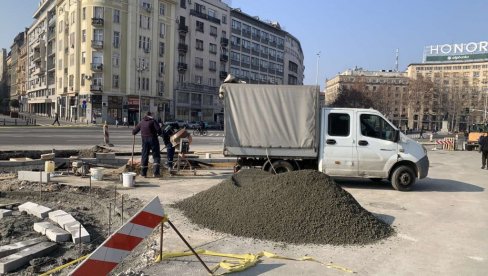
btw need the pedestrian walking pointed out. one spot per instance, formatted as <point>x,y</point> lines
<point>150,130</point>
<point>56,119</point>
<point>124,122</point>
<point>483,149</point>
<point>116,122</point>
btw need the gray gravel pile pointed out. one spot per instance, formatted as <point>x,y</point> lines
<point>296,207</point>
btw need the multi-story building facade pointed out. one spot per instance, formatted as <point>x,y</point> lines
<point>202,59</point>
<point>387,88</point>
<point>261,52</point>
<point>459,73</point>
<point>3,80</point>
<point>18,77</point>
<point>114,59</point>
<point>40,79</point>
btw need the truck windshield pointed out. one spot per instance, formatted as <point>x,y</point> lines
<point>376,127</point>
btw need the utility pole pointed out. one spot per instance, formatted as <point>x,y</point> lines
<point>317,75</point>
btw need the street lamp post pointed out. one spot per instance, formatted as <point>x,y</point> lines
<point>140,70</point>
<point>317,75</point>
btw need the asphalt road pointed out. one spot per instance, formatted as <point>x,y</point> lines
<point>45,138</point>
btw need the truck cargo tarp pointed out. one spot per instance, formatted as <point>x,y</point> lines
<point>270,116</point>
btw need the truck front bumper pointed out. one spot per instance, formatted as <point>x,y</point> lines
<point>423,167</point>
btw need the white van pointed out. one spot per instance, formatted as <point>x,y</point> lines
<point>282,128</point>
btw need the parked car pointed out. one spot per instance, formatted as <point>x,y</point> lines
<point>192,125</point>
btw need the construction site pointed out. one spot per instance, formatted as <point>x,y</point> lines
<point>301,222</point>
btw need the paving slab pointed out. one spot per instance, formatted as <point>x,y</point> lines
<point>12,248</point>
<point>14,261</point>
<point>41,227</point>
<point>57,234</point>
<point>33,176</point>
<point>35,209</point>
<point>5,213</point>
<point>74,229</point>
<point>65,219</point>
<point>54,214</point>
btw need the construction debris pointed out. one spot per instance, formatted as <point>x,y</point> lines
<point>296,207</point>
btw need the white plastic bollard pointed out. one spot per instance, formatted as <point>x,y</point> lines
<point>430,137</point>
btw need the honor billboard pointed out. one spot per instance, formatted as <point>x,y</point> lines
<point>471,51</point>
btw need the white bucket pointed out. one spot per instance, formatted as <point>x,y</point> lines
<point>49,166</point>
<point>128,179</point>
<point>96,173</point>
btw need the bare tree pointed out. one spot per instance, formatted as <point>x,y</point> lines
<point>420,94</point>
<point>351,97</point>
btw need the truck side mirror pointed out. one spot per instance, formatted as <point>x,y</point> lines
<point>396,137</point>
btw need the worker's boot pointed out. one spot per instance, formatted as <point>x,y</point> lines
<point>156,170</point>
<point>143,171</point>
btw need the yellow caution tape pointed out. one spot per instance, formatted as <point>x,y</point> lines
<point>244,261</point>
<point>59,268</point>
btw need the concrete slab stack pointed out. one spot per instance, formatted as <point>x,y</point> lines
<point>22,257</point>
<point>52,232</point>
<point>70,224</point>
<point>35,209</point>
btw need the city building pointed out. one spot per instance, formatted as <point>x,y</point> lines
<point>387,88</point>
<point>114,59</point>
<point>19,73</point>
<point>202,60</point>
<point>459,73</point>
<point>40,77</point>
<point>3,80</point>
<point>261,52</point>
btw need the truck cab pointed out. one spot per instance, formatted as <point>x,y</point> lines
<point>363,143</point>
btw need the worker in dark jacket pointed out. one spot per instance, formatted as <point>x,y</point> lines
<point>483,142</point>
<point>150,130</point>
<point>168,131</point>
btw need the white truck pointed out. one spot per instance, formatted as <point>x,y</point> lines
<point>282,128</point>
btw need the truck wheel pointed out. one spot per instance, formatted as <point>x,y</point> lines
<point>281,166</point>
<point>403,178</point>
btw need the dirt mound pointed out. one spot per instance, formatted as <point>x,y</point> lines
<point>297,207</point>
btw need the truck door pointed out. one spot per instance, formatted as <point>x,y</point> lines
<point>376,150</point>
<point>337,139</point>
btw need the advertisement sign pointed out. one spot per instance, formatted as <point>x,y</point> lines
<point>471,51</point>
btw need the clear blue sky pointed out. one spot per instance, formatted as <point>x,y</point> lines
<point>348,33</point>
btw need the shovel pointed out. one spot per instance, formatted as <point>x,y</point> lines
<point>132,158</point>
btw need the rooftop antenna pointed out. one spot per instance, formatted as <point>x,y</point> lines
<point>396,61</point>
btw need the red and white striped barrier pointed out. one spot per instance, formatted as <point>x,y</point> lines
<point>444,142</point>
<point>114,249</point>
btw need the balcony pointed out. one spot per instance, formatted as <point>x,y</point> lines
<point>182,28</point>
<point>97,44</point>
<point>96,87</point>
<point>51,66</point>
<point>224,41</point>
<point>38,71</point>
<point>97,22</point>
<point>224,58</point>
<point>223,75</point>
<point>37,56</point>
<point>182,66</point>
<point>182,48</point>
<point>96,67</point>
<point>147,8</point>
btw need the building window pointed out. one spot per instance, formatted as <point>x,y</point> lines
<point>161,68</point>
<point>83,35</point>
<point>115,60</point>
<point>115,81</point>
<point>224,19</point>
<point>83,14</point>
<point>161,49</point>
<point>144,22</point>
<point>212,48</point>
<point>199,26</point>
<point>162,8</point>
<point>83,57</point>
<point>236,25</point>
<point>162,30</point>
<point>213,31</point>
<point>199,45</point>
<point>212,65</point>
<point>198,79</point>
<point>199,63</point>
<point>116,16</point>
<point>116,39</point>
<point>98,34</point>
<point>98,12</point>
